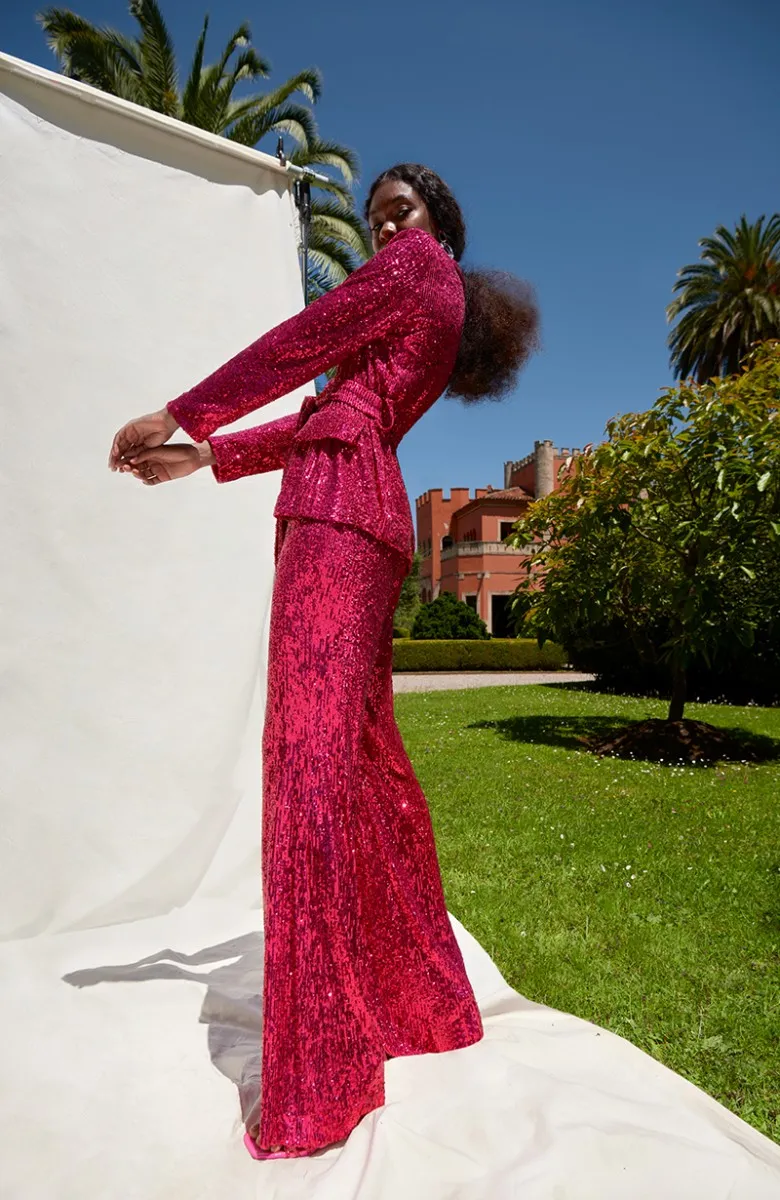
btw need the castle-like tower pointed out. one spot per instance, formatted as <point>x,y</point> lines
<point>462,538</point>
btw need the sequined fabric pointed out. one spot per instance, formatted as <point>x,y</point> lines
<point>392,330</point>
<point>361,962</point>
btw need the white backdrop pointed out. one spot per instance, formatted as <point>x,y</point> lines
<point>135,256</point>
<point>132,616</point>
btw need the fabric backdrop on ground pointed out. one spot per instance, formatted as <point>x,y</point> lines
<point>135,258</point>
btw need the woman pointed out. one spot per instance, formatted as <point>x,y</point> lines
<point>361,963</point>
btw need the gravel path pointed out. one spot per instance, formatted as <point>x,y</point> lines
<point>438,681</point>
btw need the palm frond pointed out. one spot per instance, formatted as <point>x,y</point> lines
<point>126,48</point>
<point>103,58</point>
<point>157,57</point>
<point>62,28</point>
<point>333,219</point>
<point>262,108</point>
<point>328,154</point>
<point>217,83</point>
<point>248,65</point>
<point>309,82</point>
<point>239,39</point>
<point>190,101</point>
<point>331,261</point>
<point>238,109</point>
<point>289,118</point>
<point>320,280</point>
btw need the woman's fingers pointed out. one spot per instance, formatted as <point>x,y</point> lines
<point>148,467</point>
<point>126,441</point>
<point>160,464</point>
<point>142,433</point>
<point>149,476</point>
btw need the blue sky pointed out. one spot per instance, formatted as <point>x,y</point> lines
<point>590,144</point>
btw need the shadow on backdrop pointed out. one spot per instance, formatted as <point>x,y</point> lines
<point>232,1007</point>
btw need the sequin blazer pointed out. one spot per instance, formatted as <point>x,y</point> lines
<point>392,330</point>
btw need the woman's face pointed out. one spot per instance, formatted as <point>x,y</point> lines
<point>396,205</point>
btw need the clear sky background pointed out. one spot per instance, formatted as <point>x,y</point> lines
<point>591,144</point>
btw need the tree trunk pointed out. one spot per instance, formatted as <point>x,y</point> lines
<point>679,693</point>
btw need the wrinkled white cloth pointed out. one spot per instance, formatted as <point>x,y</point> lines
<point>136,258</point>
<point>119,1078</point>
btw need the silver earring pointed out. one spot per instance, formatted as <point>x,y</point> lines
<point>446,247</point>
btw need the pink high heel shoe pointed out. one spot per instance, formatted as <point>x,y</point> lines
<point>257,1153</point>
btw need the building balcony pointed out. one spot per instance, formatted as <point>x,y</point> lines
<point>476,548</point>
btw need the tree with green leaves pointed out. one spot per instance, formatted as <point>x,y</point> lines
<point>409,599</point>
<point>143,70</point>
<point>728,301</point>
<point>448,617</point>
<point>658,528</point>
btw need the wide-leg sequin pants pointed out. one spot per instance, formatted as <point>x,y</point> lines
<point>361,963</point>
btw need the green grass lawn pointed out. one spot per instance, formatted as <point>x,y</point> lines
<point>643,897</point>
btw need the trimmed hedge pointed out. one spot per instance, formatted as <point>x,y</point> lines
<point>495,654</point>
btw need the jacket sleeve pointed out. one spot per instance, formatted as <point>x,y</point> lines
<point>360,310</point>
<point>253,451</point>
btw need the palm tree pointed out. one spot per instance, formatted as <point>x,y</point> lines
<point>728,301</point>
<point>143,70</point>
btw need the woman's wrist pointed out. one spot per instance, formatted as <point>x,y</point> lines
<point>205,454</point>
<point>171,424</point>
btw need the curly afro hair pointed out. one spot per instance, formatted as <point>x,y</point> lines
<point>501,329</point>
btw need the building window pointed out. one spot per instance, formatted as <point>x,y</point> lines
<point>471,600</point>
<point>446,542</point>
<point>504,530</point>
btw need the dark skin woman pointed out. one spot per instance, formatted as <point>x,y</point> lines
<point>395,205</point>
<point>499,333</point>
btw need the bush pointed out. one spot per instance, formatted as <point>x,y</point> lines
<point>497,654</point>
<point>669,530</point>
<point>447,617</point>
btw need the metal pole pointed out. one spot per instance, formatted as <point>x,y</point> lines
<point>302,197</point>
<point>302,193</point>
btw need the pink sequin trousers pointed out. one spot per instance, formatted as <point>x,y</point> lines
<point>361,962</point>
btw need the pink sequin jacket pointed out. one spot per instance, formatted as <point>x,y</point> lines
<point>392,330</point>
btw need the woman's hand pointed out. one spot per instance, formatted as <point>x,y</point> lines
<point>144,433</point>
<point>164,463</point>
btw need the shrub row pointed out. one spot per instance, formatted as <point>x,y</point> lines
<point>495,654</point>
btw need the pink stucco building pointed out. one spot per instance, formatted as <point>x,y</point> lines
<point>462,538</point>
